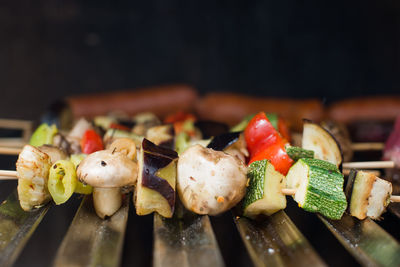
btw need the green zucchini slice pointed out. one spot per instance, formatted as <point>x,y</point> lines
<point>319,187</point>
<point>264,194</point>
<point>296,153</point>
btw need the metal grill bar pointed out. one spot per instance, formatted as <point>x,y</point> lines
<point>276,241</point>
<point>394,208</point>
<point>365,240</point>
<point>185,241</point>
<point>91,241</point>
<point>16,227</point>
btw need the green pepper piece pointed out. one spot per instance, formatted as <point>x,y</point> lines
<point>273,119</point>
<point>43,135</point>
<point>243,124</point>
<point>62,181</point>
<point>182,141</point>
<point>81,188</point>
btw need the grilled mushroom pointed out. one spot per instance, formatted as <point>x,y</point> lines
<point>209,181</point>
<point>107,171</point>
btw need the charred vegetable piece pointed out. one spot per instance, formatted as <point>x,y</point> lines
<point>53,152</point>
<point>162,135</point>
<point>296,153</point>
<point>223,141</point>
<point>209,181</point>
<point>264,194</point>
<point>33,170</point>
<point>342,136</point>
<point>322,142</point>
<point>209,128</point>
<point>62,181</point>
<point>319,186</point>
<point>143,122</point>
<point>112,134</point>
<point>43,135</point>
<point>125,146</point>
<point>155,190</point>
<point>369,195</point>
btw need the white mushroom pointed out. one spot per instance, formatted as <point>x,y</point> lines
<point>209,181</point>
<point>107,171</point>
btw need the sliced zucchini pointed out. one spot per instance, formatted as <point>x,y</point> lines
<point>264,194</point>
<point>319,187</point>
<point>322,142</point>
<point>370,195</point>
<point>155,190</point>
<point>296,153</point>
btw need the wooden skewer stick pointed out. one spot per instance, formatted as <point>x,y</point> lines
<point>291,192</point>
<point>369,165</point>
<point>374,172</point>
<point>12,142</point>
<point>367,146</point>
<point>395,199</point>
<point>10,150</point>
<point>8,175</point>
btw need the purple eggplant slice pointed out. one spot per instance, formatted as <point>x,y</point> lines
<point>223,141</point>
<point>155,191</point>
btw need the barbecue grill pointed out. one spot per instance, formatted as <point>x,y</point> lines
<point>290,237</point>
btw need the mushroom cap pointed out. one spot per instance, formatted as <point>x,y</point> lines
<point>209,181</point>
<point>107,169</point>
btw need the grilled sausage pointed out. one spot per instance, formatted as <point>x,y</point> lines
<point>161,100</point>
<point>377,108</point>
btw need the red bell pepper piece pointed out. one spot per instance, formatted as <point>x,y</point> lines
<point>91,142</point>
<point>179,117</point>
<point>277,155</point>
<point>119,127</point>
<point>264,142</point>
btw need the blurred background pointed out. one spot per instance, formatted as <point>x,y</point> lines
<point>51,48</point>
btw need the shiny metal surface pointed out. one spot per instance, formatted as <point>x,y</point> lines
<point>16,227</point>
<point>369,244</point>
<point>91,241</point>
<point>276,241</point>
<point>186,240</point>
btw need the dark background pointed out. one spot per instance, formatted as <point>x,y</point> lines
<point>50,49</point>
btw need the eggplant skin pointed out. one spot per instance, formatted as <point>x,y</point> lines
<point>151,164</point>
<point>154,186</point>
<point>223,141</point>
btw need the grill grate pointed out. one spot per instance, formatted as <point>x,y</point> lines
<point>189,240</point>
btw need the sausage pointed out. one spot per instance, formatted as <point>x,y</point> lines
<point>377,108</point>
<point>231,108</point>
<point>161,100</point>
